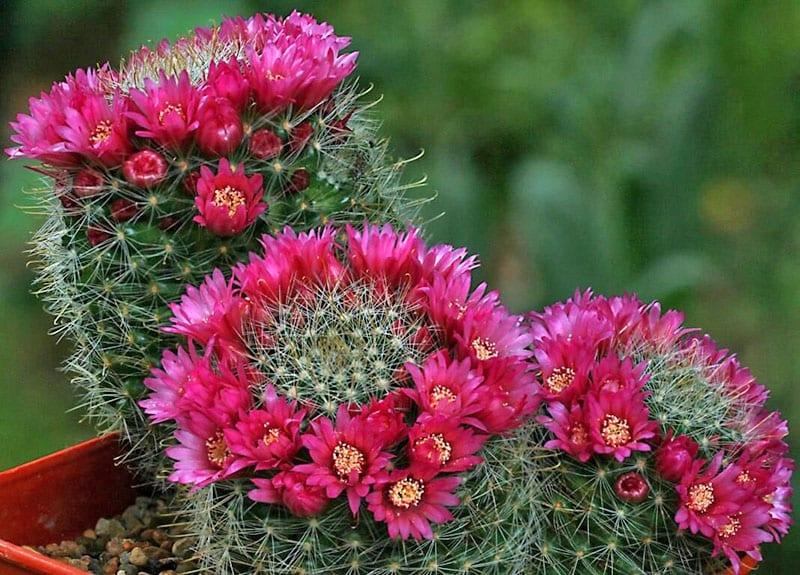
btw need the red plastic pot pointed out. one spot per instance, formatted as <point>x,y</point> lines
<point>56,498</point>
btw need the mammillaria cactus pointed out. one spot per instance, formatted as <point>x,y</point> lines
<point>350,409</point>
<point>658,455</point>
<point>177,163</point>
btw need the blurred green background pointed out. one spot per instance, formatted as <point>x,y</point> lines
<point>624,145</point>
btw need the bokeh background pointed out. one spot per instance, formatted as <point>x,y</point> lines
<point>625,145</point>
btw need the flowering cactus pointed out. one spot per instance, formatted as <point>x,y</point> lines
<point>657,454</point>
<point>347,404</point>
<point>177,163</point>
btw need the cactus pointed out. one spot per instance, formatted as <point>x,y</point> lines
<point>592,522</point>
<point>115,250</point>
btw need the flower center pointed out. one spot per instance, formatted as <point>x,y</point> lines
<point>101,133</point>
<point>171,109</point>
<point>271,435</point>
<point>616,431</point>
<point>701,497</point>
<point>441,393</point>
<point>560,379</point>
<point>406,493</point>
<point>730,528</point>
<point>744,478</point>
<point>230,198</point>
<point>485,349</point>
<point>274,76</point>
<point>578,435</point>
<point>217,450</point>
<point>347,459</point>
<point>439,444</point>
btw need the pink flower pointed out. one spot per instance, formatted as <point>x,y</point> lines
<point>507,397</point>
<point>228,201</point>
<point>444,386</point>
<point>570,428</point>
<point>225,80</point>
<point>202,456</point>
<point>145,169</point>
<point>675,457</point>
<point>292,490</point>
<point>618,422</point>
<point>564,366</point>
<point>97,130</point>
<point>444,445</point>
<point>267,437</point>
<point>346,457</point>
<point>381,252</point>
<point>210,312</point>
<point>299,69</point>
<point>265,144</point>
<point>708,497</point>
<point>39,134</point>
<point>168,384</point>
<point>386,418</point>
<point>741,532</point>
<point>220,131</point>
<point>409,500</point>
<point>166,111</point>
<point>614,374</point>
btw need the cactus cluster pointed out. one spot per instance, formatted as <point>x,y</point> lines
<point>706,489</point>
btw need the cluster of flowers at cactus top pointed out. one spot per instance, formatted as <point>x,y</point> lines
<point>101,130</point>
<point>597,375</point>
<point>358,365</point>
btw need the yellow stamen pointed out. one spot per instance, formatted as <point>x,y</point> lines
<point>730,528</point>
<point>102,131</point>
<point>441,393</point>
<point>560,379</point>
<point>485,349</point>
<point>616,431</point>
<point>217,450</point>
<point>406,493</point>
<point>443,449</point>
<point>230,198</point>
<point>171,109</point>
<point>271,435</point>
<point>701,497</point>
<point>347,459</point>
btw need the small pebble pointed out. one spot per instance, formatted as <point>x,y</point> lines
<point>138,557</point>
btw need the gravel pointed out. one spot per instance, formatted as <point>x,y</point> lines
<point>138,542</point>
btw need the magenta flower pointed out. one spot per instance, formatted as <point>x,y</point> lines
<point>166,111</point>
<point>442,444</point>
<point>168,384</point>
<point>228,201</point>
<point>564,366</point>
<point>226,80</point>
<point>211,311</point>
<point>292,490</point>
<point>570,430</point>
<point>220,131</point>
<point>444,386</point>
<point>409,500</point>
<point>346,457</point>
<point>741,532</point>
<point>98,130</point>
<point>675,456</point>
<point>39,134</point>
<point>269,436</point>
<point>299,70</point>
<point>386,418</point>
<point>618,422</point>
<point>709,496</point>
<point>614,374</point>
<point>507,397</point>
<point>202,456</point>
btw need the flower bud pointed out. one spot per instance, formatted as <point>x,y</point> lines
<point>265,144</point>
<point>220,131</point>
<point>675,456</point>
<point>87,183</point>
<point>225,80</point>
<point>96,236</point>
<point>300,136</point>
<point>299,181</point>
<point>145,169</point>
<point>631,487</point>
<point>123,209</point>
